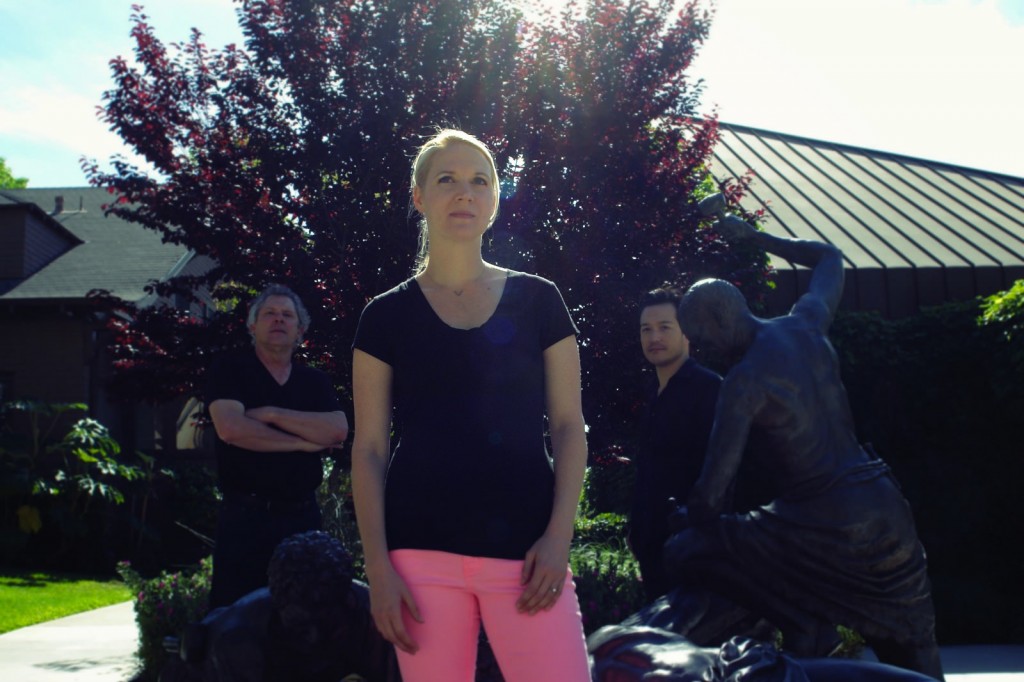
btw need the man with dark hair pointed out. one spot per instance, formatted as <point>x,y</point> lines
<point>674,435</point>
<point>274,419</point>
<point>837,544</point>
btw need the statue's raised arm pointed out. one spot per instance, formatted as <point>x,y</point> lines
<point>826,261</point>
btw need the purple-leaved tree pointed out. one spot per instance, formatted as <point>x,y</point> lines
<point>287,160</point>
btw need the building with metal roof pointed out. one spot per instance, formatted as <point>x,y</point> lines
<point>913,233</point>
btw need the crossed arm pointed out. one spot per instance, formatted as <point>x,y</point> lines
<point>271,429</point>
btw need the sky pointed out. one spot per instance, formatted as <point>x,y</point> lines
<point>941,80</point>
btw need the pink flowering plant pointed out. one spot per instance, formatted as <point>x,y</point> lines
<point>164,605</point>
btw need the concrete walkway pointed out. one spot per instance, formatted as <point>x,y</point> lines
<point>95,646</point>
<point>100,645</point>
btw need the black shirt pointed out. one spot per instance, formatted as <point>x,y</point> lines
<point>470,474</point>
<point>673,441</point>
<point>274,475</point>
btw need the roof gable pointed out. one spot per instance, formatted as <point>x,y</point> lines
<point>113,254</point>
<point>29,239</point>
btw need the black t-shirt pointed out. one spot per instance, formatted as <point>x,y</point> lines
<point>275,475</point>
<point>470,474</point>
<point>673,441</point>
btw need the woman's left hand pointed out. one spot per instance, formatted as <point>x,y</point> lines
<point>544,574</point>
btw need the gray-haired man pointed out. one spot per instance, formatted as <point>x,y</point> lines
<point>274,418</point>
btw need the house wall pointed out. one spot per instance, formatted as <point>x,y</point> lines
<point>54,354</point>
<point>45,355</point>
<point>12,243</point>
<point>894,293</point>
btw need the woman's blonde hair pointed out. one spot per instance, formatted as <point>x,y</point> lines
<point>421,166</point>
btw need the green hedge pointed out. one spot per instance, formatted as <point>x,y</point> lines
<point>940,395</point>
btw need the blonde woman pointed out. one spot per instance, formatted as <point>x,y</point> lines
<point>468,521</point>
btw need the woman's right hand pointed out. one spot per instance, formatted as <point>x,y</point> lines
<point>388,592</point>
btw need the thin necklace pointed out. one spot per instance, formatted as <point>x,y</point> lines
<point>457,292</point>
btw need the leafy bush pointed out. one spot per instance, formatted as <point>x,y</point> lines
<point>602,528</point>
<point>939,395</point>
<point>852,645</point>
<point>1006,308</point>
<point>605,571</point>
<point>164,605</point>
<point>607,579</point>
<point>56,487</point>
<point>338,510</point>
<point>181,520</point>
<point>81,466</point>
<point>1004,311</point>
<point>608,482</point>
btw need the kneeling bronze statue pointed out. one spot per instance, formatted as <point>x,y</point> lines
<point>837,543</point>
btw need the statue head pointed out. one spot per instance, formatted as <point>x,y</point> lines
<point>715,318</point>
<point>310,579</point>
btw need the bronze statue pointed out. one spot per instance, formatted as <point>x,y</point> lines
<point>312,623</point>
<point>837,544</point>
<point>635,654</point>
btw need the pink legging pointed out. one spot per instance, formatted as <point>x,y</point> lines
<point>454,592</point>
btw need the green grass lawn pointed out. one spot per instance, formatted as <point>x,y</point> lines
<point>27,597</point>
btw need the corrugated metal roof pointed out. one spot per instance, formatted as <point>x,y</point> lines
<point>913,232</point>
<point>115,255</point>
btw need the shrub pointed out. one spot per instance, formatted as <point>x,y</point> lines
<point>607,579</point>
<point>1004,311</point>
<point>59,479</point>
<point>605,571</point>
<point>939,395</point>
<point>338,509</point>
<point>602,528</point>
<point>164,605</point>
<point>852,643</point>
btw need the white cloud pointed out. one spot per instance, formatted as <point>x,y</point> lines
<point>937,79</point>
<point>56,69</point>
<point>928,79</point>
